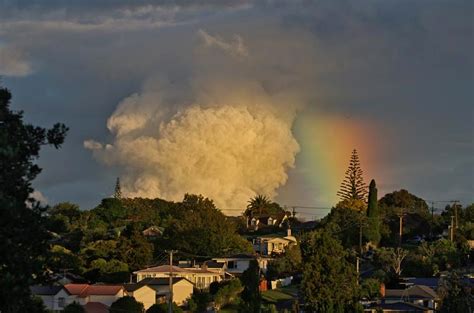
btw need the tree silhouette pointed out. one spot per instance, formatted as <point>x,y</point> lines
<point>353,186</point>
<point>23,235</point>
<point>118,190</point>
<point>258,205</point>
<point>373,231</point>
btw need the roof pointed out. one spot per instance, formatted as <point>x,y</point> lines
<point>159,281</point>
<point>96,307</point>
<point>400,307</point>
<point>214,264</point>
<point>45,290</point>
<point>161,269</point>
<point>84,290</point>
<point>413,292</point>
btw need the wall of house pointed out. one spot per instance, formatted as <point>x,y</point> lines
<point>145,295</point>
<point>182,291</point>
<point>61,294</point>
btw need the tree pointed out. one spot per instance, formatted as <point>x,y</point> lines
<point>227,293</point>
<point>288,264</point>
<point>163,308</point>
<point>353,186</point>
<point>200,228</point>
<point>258,205</point>
<point>127,304</point>
<point>329,279</point>
<point>373,230</point>
<point>118,190</point>
<point>134,249</point>
<point>455,294</point>
<point>251,298</point>
<point>391,259</point>
<point>23,236</point>
<point>74,308</point>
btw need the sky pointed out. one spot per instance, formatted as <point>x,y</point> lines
<point>235,98</point>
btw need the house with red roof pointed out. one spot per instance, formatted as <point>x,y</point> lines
<point>85,293</point>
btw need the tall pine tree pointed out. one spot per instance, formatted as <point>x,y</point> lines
<point>118,190</point>
<point>353,186</point>
<point>373,230</point>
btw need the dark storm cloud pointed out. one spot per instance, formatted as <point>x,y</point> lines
<point>407,65</point>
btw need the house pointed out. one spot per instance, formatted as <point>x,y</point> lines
<point>85,293</point>
<point>269,245</point>
<point>238,263</point>
<point>397,307</point>
<point>182,289</point>
<point>417,294</point>
<point>142,293</point>
<point>54,297</point>
<point>259,221</point>
<point>200,277</point>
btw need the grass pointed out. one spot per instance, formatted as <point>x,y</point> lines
<point>276,295</point>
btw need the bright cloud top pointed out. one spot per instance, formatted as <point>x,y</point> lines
<point>225,146</point>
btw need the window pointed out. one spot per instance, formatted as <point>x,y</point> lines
<point>61,302</point>
<point>231,264</point>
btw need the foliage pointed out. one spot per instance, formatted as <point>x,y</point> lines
<point>118,190</point>
<point>74,308</point>
<point>134,249</point>
<point>391,202</point>
<point>200,228</point>
<point>61,258</point>
<point>22,231</point>
<point>353,186</point>
<point>127,304</point>
<point>372,231</point>
<point>163,308</point>
<point>370,289</point>
<point>329,279</point>
<point>199,301</point>
<point>343,222</point>
<point>260,204</point>
<point>288,264</point>
<point>251,298</point>
<point>227,293</point>
<point>390,259</point>
<point>456,295</point>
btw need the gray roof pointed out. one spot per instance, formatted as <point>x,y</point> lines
<point>413,292</point>
<point>160,281</point>
<point>400,307</point>
<point>45,290</point>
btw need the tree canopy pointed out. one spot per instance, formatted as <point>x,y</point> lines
<point>127,304</point>
<point>353,186</point>
<point>23,237</point>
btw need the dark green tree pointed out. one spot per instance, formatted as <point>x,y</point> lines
<point>455,294</point>
<point>251,297</point>
<point>372,231</point>
<point>163,308</point>
<point>118,190</point>
<point>74,308</point>
<point>353,186</point>
<point>134,249</point>
<point>329,280</point>
<point>258,205</point>
<point>200,228</point>
<point>127,304</point>
<point>23,236</point>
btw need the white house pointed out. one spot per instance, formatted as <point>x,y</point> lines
<point>200,277</point>
<point>237,264</point>
<point>268,245</point>
<point>54,297</point>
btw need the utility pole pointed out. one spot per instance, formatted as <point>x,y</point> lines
<point>455,203</point>
<point>170,303</point>
<point>400,231</point>
<point>452,228</point>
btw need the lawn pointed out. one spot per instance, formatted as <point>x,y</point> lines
<point>281,294</point>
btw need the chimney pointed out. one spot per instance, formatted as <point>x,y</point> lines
<point>288,232</point>
<point>382,290</point>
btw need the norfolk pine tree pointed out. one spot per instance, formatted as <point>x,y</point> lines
<point>353,186</point>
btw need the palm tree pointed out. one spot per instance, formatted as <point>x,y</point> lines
<point>258,204</point>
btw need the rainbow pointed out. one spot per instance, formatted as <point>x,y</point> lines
<point>326,144</point>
